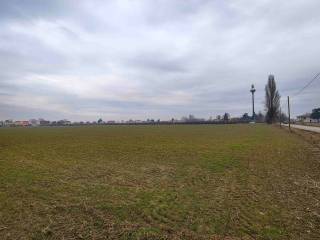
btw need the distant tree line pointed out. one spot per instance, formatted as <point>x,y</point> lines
<point>315,114</point>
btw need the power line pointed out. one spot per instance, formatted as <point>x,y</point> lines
<point>307,85</point>
<point>302,89</point>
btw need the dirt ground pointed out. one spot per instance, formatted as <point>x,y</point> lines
<point>159,182</point>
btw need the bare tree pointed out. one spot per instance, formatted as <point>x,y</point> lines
<point>260,117</point>
<point>272,101</point>
<point>226,117</point>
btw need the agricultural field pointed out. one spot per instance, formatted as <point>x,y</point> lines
<point>158,182</point>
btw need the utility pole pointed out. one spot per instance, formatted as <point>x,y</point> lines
<point>252,90</point>
<point>289,113</point>
<point>280,118</point>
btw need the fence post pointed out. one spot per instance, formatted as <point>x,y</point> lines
<point>289,113</point>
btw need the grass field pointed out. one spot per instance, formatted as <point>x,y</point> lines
<point>158,182</point>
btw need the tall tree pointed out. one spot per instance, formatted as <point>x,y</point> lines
<point>272,101</point>
<point>226,117</point>
<point>315,114</point>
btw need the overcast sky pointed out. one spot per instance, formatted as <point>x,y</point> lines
<point>83,60</point>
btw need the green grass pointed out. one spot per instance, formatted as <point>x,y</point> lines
<point>157,182</point>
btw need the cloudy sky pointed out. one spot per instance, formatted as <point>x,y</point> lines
<point>138,59</point>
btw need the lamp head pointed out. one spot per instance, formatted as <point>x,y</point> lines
<point>252,90</point>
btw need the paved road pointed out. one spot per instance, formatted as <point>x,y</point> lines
<point>306,128</point>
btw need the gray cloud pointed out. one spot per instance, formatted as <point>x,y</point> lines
<point>155,59</point>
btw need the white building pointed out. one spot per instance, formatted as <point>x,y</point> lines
<point>306,118</point>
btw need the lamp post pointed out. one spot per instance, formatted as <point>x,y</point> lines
<point>252,90</point>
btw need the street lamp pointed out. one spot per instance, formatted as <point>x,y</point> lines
<point>252,90</point>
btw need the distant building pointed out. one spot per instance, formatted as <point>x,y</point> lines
<point>22,123</point>
<point>8,122</point>
<point>306,118</point>
<point>43,122</point>
<point>34,122</point>
<point>63,122</point>
<point>191,118</point>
